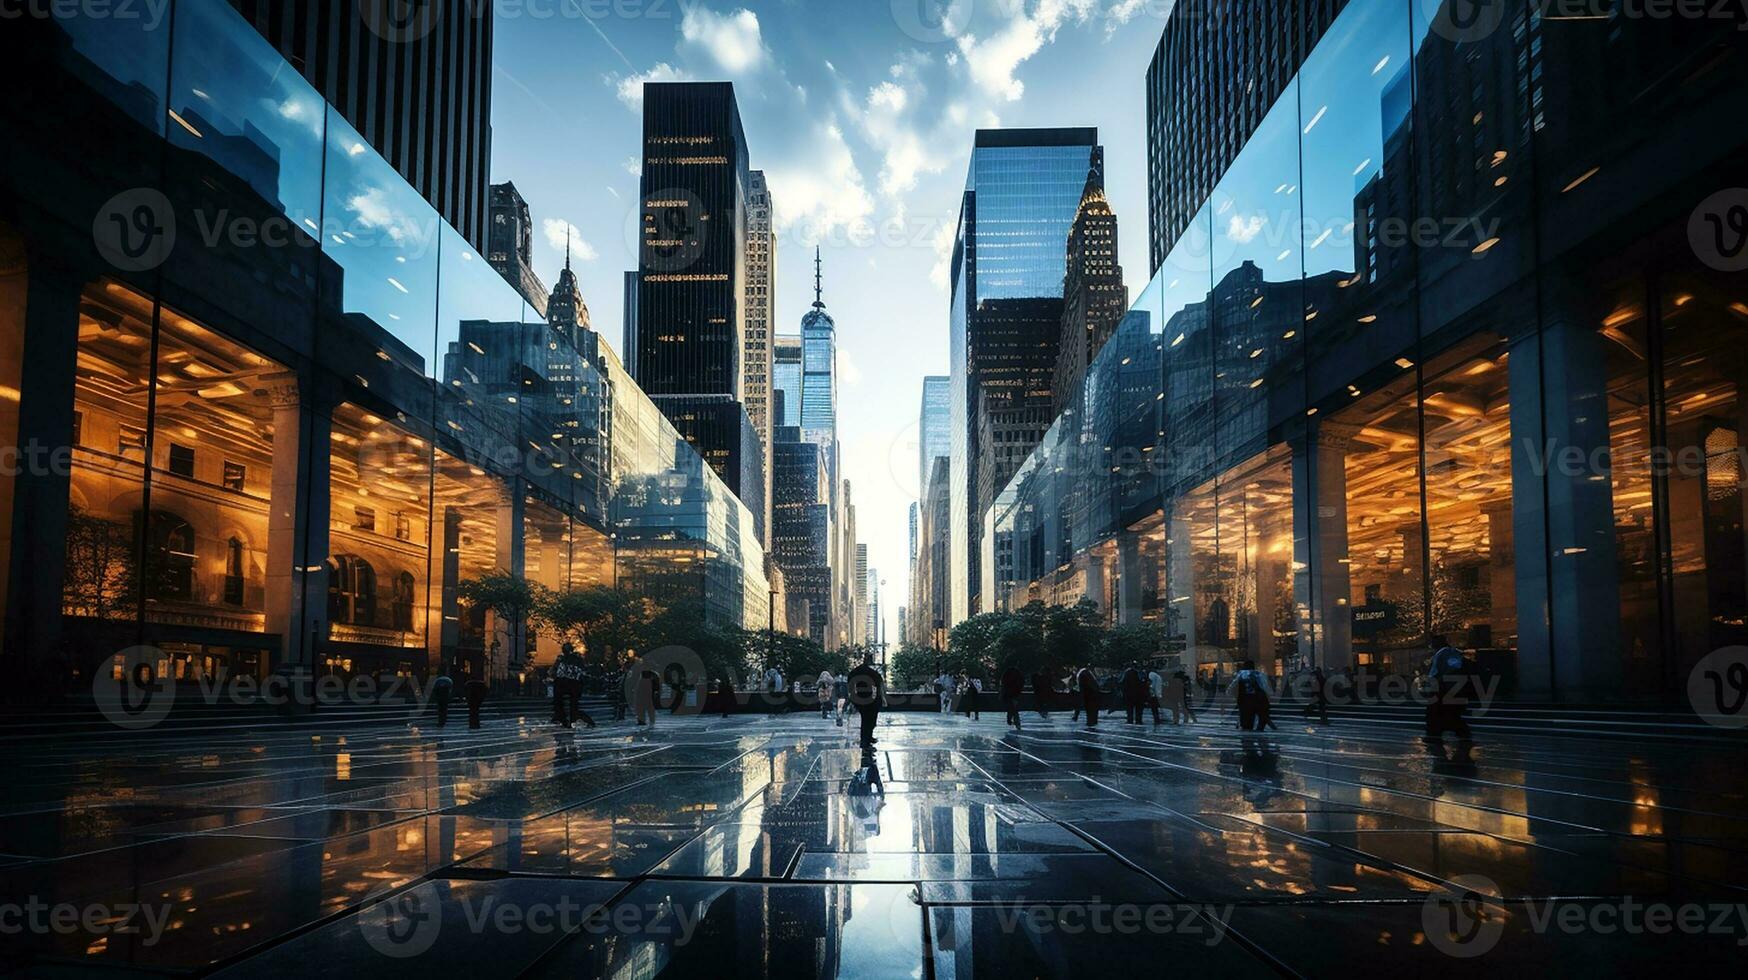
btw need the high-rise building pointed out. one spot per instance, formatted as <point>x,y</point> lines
<point>510,244</point>
<point>761,315</point>
<point>1218,68</point>
<point>419,91</point>
<point>863,593</point>
<point>819,368</point>
<point>692,273</point>
<point>801,531</point>
<point>1022,193</point>
<point>1094,297</point>
<point>565,308</point>
<point>628,323</point>
<point>786,378</point>
<point>934,427</point>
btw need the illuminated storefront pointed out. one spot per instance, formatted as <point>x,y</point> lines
<point>289,437</point>
<point>1441,360</point>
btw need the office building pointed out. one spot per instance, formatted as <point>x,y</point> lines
<point>761,316</point>
<point>1094,297</point>
<point>1022,192</point>
<point>510,244</point>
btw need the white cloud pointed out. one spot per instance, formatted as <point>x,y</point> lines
<point>1123,11</point>
<point>631,86</point>
<point>633,166</point>
<point>1244,230</point>
<point>848,372</point>
<point>733,40</point>
<point>993,60</point>
<point>555,230</point>
<point>819,187</point>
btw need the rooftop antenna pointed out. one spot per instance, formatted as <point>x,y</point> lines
<point>818,300</point>
<point>567,244</point>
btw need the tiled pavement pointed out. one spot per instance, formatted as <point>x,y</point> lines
<point>735,847</point>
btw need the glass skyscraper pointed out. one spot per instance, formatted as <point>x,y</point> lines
<point>1022,193</point>
<point>934,422</point>
<point>786,380</point>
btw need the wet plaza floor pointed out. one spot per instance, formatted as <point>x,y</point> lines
<point>750,846</point>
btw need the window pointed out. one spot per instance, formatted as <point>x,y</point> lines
<point>363,519</point>
<point>169,558</point>
<point>236,475</point>
<point>403,607</point>
<point>182,461</point>
<point>233,571</point>
<point>351,591</point>
<point>403,526</point>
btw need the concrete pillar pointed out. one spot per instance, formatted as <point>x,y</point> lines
<point>288,515</point>
<point>1321,583</point>
<point>1130,572</point>
<point>447,629</point>
<point>512,500</point>
<point>1568,590</point>
<point>37,563</point>
<point>1180,588</point>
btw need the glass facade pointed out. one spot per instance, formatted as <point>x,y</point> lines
<point>290,440</point>
<point>1438,361</point>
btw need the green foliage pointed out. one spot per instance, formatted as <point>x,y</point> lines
<point>605,623</point>
<point>1073,634</point>
<point>912,668</point>
<point>1131,643</point>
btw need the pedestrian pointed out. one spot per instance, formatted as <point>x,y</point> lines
<point>944,686</point>
<point>1013,684</point>
<point>476,697</point>
<point>1043,690</point>
<point>1177,696</point>
<point>567,696</point>
<point>441,690</point>
<point>866,691</point>
<point>646,695</point>
<point>616,690</point>
<point>1319,692</point>
<point>1089,695</point>
<point>822,689</point>
<point>841,695</point>
<point>1134,690</point>
<point>1155,692</point>
<point>970,689</point>
<point>1250,691</point>
<point>724,694</point>
<point>1449,676</point>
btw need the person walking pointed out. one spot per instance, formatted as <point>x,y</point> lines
<point>969,689</point>
<point>1319,701</point>
<point>1449,676</point>
<point>1043,690</point>
<point>476,698</point>
<point>1249,690</point>
<point>1089,695</point>
<point>866,692</point>
<point>724,694</point>
<point>944,686</point>
<point>841,696</point>
<point>647,691</point>
<point>1134,690</point>
<point>1155,692</point>
<point>441,690</point>
<point>567,688</point>
<point>822,686</point>
<point>1177,697</point>
<point>1013,684</point>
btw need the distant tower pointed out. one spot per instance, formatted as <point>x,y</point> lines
<point>510,244</point>
<point>565,310</point>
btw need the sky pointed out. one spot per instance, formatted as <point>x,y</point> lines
<point>862,114</point>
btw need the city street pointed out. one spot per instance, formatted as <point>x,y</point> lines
<point>740,847</point>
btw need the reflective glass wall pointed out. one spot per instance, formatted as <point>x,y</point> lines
<point>296,413</point>
<point>1425,369</point>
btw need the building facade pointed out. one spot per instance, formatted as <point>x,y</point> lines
<point>934,427</point>
<point>296,458</point>
<point>418,89</point>
<point>1022,192</point>
<point>801,531</point>
<point>1423,367</point>
<point>1094,297</point>
<point>510,244</point>
<point>761,317</point>
<point>786,381</point>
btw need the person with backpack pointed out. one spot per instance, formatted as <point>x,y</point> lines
<point>1250,691</point>
<point>1134,694</point>
<point>567,688</point>
<point>1449,677</point>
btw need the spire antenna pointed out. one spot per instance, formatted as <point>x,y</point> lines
<point>567,244</point>
<point>818,292</point>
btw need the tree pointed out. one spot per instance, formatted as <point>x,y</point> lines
<point>1073,634</point>
<point>509,597</point>
<point>1132,643</point>
<point>1018,643</point>
<point>102,580</point>
<point>912,667</point>
<point>971,644</point>
<point>604,622</point>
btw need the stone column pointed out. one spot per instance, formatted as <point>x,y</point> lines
<point>1501,571</point>
<point>512,500</point>
<point>1180,587</point>
<point>292,523</point>
<point>1320,581</point>
<point>1130,573</point>
<point>37,562</point>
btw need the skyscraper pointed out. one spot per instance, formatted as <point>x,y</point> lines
<point>1207,91</point>
<point>934,427</point>
<point>510,244</point>
<point>692,275</point>
<point>1022,192</point>
<point>420,93</point>
<point>819,369</point>
<point>628,323</point>
<point>863,618</point>
<point>786,378</point>
<point>761,314</point>
<point>1094,298</point>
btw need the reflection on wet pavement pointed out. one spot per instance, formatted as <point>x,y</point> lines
<point>760,847</point>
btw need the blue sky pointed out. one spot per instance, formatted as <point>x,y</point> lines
<point>861,113</point>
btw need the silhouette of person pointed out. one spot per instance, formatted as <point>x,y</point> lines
<point>441,690</point>
<point>476,697</point>
<point>867,693</point>
<point>1043,689</point>
<point>1134,695</point>
<point>1013,684</point>
<point>1089,696</point>
<point>1449,675</point>
<point>724,694</point>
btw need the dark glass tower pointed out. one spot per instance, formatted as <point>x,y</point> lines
<point>1022,193</point>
